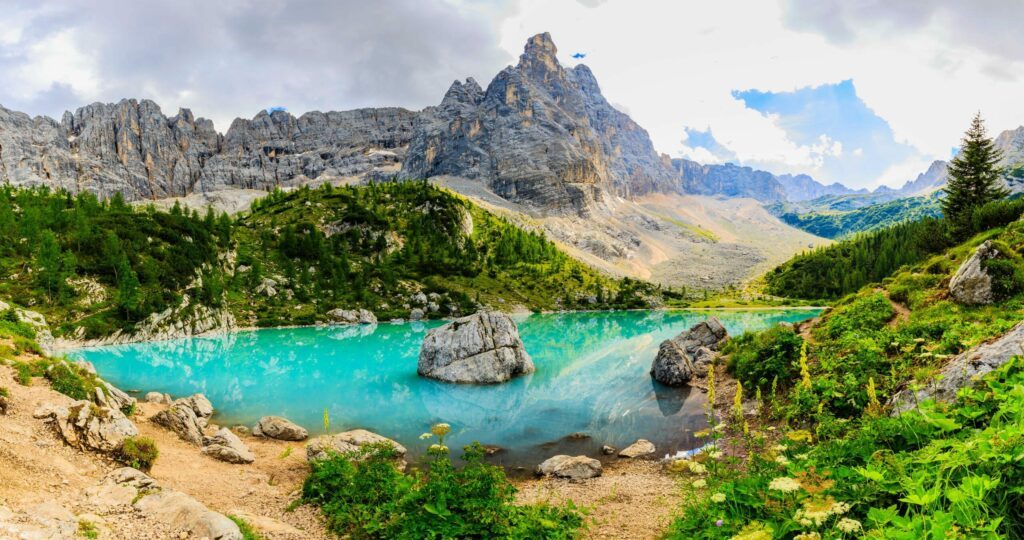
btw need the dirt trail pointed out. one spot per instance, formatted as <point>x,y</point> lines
<point>902,312</point>
<point>36,467</point>
<point>633,499</point>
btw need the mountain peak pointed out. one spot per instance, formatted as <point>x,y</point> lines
<point>539,55</point>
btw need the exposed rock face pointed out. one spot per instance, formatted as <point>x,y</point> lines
<point>482,348</point>
<point>131,148</point>
<point>570,467</point>
<point>112,397</point>
<point>35,319</point>
<point>184,320</point>
<point>971,284</point>
<point>226,446</point>
<point>351,316</point>
<point>964,370</point>
<point>642,447</point>
<point>728,180</point>
<point>349,441</point>
<point>200,405</point>
<point>688,354</point>
<point>86,425</point>
<point>801,187</point>
<point>541,135</point>
<point>127,486</point>
<point>279,428</point>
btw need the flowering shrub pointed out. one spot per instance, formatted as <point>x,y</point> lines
<point>363,494</point>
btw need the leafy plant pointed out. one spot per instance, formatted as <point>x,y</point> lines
<point>138,452</point>
<point>247,530</point>
<point>756,359</point>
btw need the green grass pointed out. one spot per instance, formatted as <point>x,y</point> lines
<point>248,532</point>
<point>693,229</point>
<point>824,456</point>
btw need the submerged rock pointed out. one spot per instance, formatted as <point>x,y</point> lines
<point>349,441</point>
<point>85,425</point>
<point>480,348</point>
<point>226,446</point>
<point>971,284</point>
<point>570,467</point>
<point>964,370</point>
<point>282,429</point>
<point>688,354</point>
<point>642,447</point>
<point>351,316</point>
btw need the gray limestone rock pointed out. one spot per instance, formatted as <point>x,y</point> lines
<point>481,348</point>
<point>226,446</point>
<point>570,467</point>
<point>348,441</point>
<point>351,316</point>
<point>971,284</point>
<point>688,354</point>
<point>642,447</point>
<point>964,370</point>
<point>181,419</point>
<point>275,427</point>
<point>85,425</point>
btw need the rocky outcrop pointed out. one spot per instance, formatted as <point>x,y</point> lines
<point>351,316</point>
<point>570,467</point>
<point>688,354</point>
<point>226,446</point>
<point>483,348</point>
<point>971,284</point>
<point>343,443</point>
<point>181,419</point>
<point>130,487</point>
<point>157,397</point>
<point>963,370</point>
<point>642,447</point>
<point>184,320</point>
<point>108,395</point>
<point>34,319</point>
<point>85,425</point>
<point>282,429</point>
<point>132,148</point>
<point>728,180</point>
<point>541,135</point>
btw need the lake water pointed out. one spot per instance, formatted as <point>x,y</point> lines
<point>592,377</point>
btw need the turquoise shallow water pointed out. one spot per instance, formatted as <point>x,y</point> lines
<point>592,377</point>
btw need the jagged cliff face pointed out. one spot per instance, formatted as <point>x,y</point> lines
<point>130,147</point>
<point>728,180</point>
<point>539,135</point>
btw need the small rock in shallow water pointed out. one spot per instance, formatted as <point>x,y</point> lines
<point>641,447</point>
<point>607,450</point>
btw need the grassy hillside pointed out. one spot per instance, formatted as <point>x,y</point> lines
<point>95,266</point>
<point>840,224</point>
<point>823,457</point>
<point>374,247</point>
<point>842,268</point>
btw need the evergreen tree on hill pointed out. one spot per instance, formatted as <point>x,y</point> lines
<point>974,177</point>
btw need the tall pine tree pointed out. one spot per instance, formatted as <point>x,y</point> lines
<point>974,177</point>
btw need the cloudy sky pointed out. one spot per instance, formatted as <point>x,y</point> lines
<point>864,92</point>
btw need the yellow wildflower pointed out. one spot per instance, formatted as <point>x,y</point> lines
<point>441,429</point>
<point>699,483</point>
<point>755,530</point>
<point>808,536</point>
<point>782,460</point>
<point>805,372</point>
<point>718,498</point>
<point>737,401</point>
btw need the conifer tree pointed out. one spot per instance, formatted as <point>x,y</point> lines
<point>974,177</point>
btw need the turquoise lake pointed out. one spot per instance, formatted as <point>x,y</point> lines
<point>592,377</point>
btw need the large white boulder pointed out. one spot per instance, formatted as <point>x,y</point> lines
<point>480,348</point>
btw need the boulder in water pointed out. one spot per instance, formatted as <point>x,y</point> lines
<point>642,447</point>
<point>483,348</point>
<point>688,354</point>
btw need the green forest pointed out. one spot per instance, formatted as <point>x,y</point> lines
<point>841,224</point>
<point>101,266</point>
